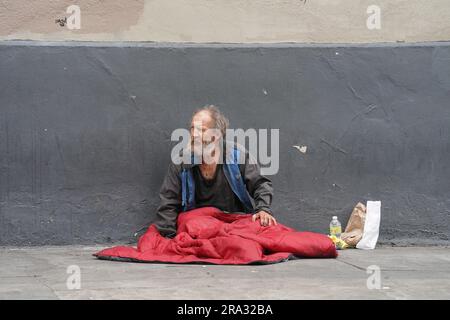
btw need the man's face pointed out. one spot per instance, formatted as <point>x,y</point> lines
<point>203,133</point>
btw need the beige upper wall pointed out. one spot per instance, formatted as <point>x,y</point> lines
<point>231,21</point>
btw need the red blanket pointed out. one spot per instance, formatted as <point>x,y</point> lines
<point>208,235</point>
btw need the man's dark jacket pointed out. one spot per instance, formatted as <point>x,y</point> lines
<point>258,186</point>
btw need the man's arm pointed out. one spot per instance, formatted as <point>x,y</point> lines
<point>170,206</point>
<point>260,189</point>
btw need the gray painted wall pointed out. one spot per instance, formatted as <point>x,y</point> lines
<point>85,132</point>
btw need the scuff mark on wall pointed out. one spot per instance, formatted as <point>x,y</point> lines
<point>335,148</point>
<point>302,149</point>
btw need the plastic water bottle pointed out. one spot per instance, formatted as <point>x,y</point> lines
<point>335,227</point>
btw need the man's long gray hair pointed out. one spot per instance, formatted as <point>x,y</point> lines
<point>220,121</point>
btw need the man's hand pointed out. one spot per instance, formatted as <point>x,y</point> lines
<point>265,218</point>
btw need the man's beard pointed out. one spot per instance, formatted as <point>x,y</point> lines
<point>205,151</point>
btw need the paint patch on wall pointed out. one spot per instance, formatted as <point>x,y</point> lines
<point>38,17</point>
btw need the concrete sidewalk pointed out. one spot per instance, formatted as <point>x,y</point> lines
<point>406,273</point>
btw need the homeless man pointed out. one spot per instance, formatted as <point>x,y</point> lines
<point>227,177</point>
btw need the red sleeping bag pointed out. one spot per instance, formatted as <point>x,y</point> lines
<point>208,235</point>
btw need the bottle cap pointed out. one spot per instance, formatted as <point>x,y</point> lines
<point>334,217</point>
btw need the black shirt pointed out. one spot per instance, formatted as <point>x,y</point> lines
<point>215,192</point>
